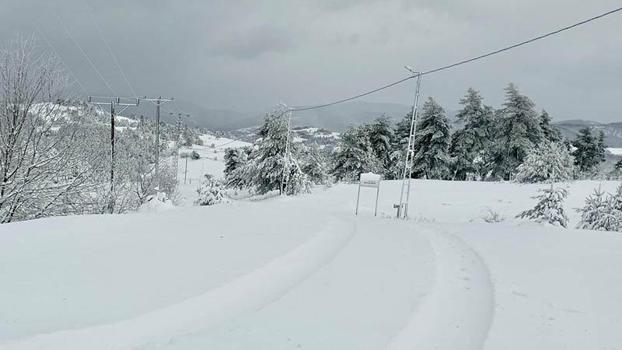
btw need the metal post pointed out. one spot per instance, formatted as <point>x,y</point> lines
<point>111,202</point>
<point>157,144</point>
<point>358,196</point>
<point>377,195</point>
<point>402,209</point>
<point>285,176</point>
<point>414,133</point>
<point>186,170</point>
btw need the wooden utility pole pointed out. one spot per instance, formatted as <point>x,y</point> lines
<point>158,101</point>
<point>112,101</point>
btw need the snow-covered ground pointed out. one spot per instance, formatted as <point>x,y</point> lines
<point>212,154</point>
<point>304,272</point>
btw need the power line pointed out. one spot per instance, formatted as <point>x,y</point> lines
<point>459,63</point>
<point>84,54</point>
<point>110,51</point>
<point>73,75</point>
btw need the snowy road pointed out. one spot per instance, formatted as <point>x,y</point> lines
<point>305,273</point>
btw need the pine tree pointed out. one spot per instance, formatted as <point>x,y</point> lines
<point>381,139</point>
<point>550,207</point>
<point>589,150</point>
<point>275,165</point>
<point>355,155</point>
<point>550,132</point>
<point>431,159</point>
<point>470,144</point>
<point>517,131</point>
<point>315,165</point>
<point>599,213</point>
<point>210,192</point>
<point>548,161</point>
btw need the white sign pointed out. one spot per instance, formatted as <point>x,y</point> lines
<point>369,180</point>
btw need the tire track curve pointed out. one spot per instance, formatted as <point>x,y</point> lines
<point>459,311</point>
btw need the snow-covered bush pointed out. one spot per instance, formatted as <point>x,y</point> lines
<point>547,162</point>
<point>491,216</point>
<point>195,155</point>
<point>550,207</point>
<point>210,192</point>
<point>602,213</point>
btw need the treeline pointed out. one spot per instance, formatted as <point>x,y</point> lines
<point>515,142</point>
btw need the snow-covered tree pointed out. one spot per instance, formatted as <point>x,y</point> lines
<point>547,162</point>
<point>381,139</point>
<point>550,207</point>
<point>470,145</point>
<point>517,131</point>
<point>589,150</point>
<point>275,164</point>
<point>210,192</point>
<point>599,213</point>
<point>549,131</point>
<point>42,169</point>
<point>315,165</point>
<point>431,159</point>
<point>355,155</point>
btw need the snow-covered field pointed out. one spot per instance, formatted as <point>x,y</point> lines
<point>304,272</point>
<point>212,154</point>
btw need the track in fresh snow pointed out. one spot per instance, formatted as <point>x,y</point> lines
<point>248,292</point>
<point>460,308</point>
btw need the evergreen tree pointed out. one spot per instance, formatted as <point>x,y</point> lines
<point>470,144</point>
<point>599,213</point>
<point>548,161</point>
<point>589,150</point>
<point>517,131</point>
<point>210,192</point>
<point>315,165</point>
<point>234,158</point>
<point>355,155</point>
<point>275,165</point>
<point>381,139</point>
<point>618,165</point>
<point>550,132</point>
<point>550,207</point>
<point>431,159</point>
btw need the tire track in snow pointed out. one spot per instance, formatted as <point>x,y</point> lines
<point>247,292</point>
<point>458,313</point>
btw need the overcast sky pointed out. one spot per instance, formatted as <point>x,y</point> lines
<point>249,54</point>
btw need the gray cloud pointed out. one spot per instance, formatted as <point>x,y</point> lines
<point>248,55</point>
<point>255,41</point>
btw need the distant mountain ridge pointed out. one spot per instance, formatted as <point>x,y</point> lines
<point>612,131</point>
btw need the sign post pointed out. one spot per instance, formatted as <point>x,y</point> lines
<point>368,180</point>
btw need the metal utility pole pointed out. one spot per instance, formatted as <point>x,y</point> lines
<point>402,207</point>
<point>286,165</point>
<point>158,101</point>
<point>112,101</point>
<point>178,143</point>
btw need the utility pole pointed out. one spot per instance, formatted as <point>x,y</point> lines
<point>112,101</point>
<point>285,177</point>
<point>178,142</point>
<point>402,207</point>
<point>158,101</point>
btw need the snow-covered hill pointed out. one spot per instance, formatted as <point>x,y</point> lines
<point>304,272</point>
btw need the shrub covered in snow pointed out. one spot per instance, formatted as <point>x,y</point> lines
<point>210,192</point>
<point>550,207</point>
<point>195,155</point>
<point>549,161</point>
<point>602,213</point>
